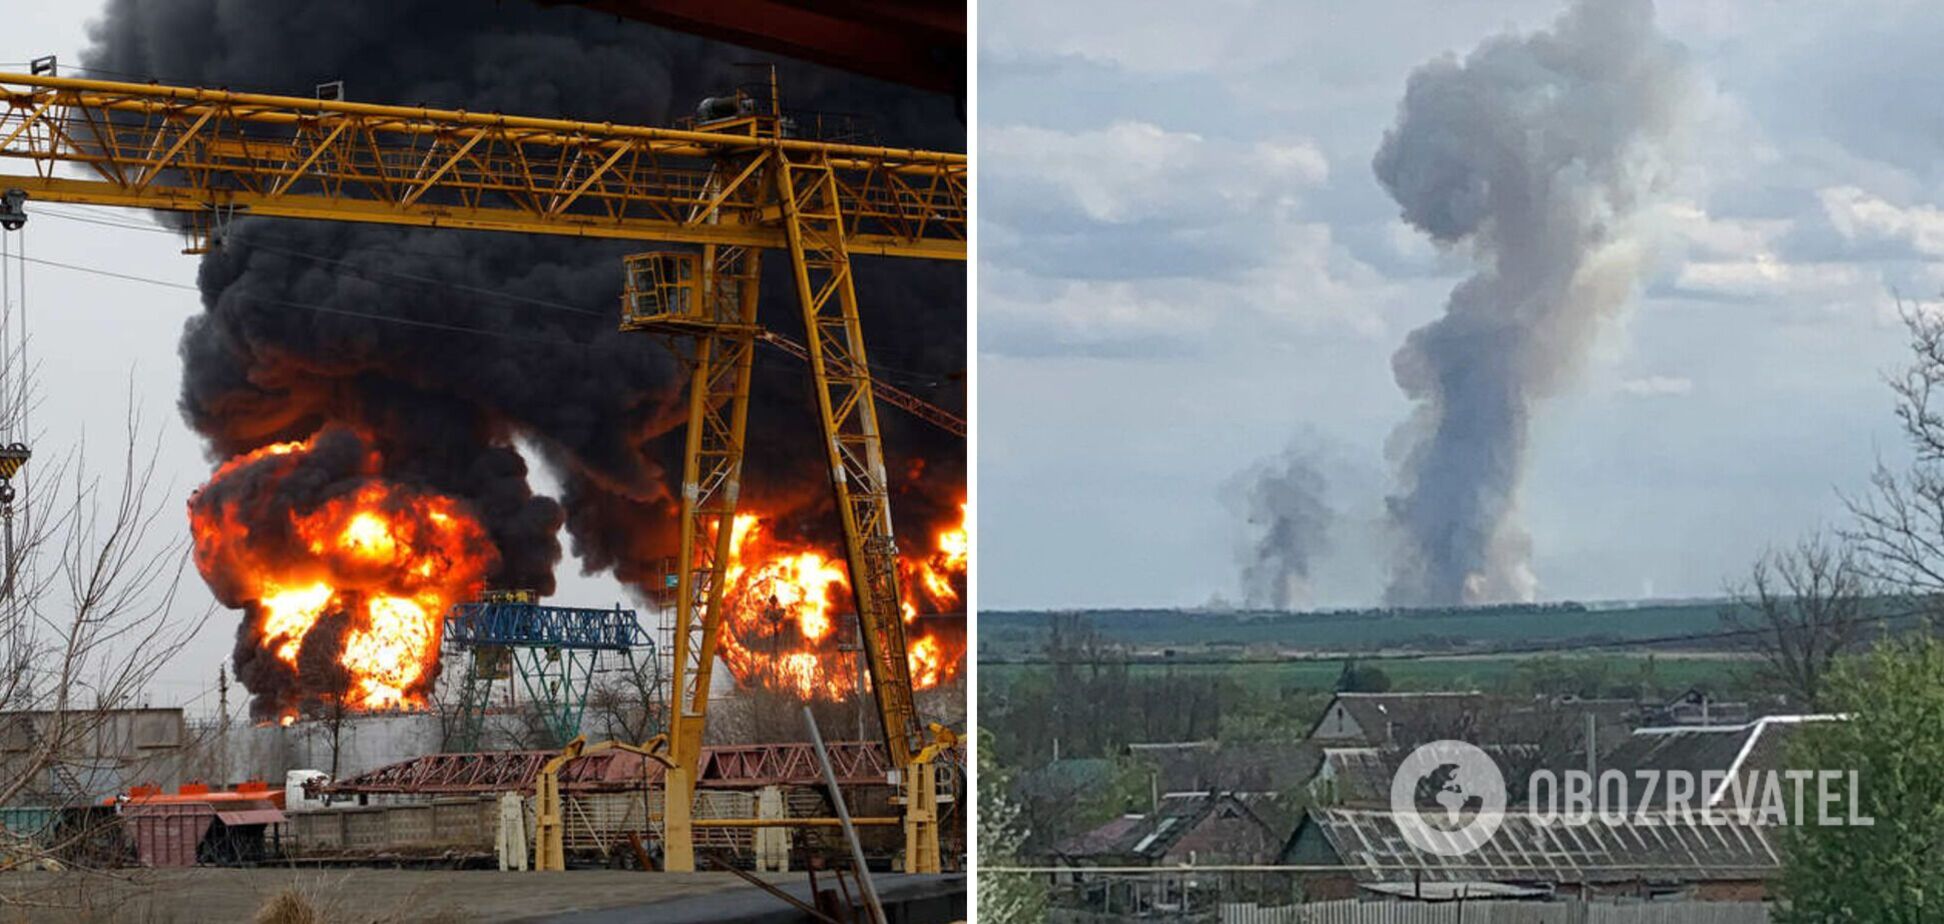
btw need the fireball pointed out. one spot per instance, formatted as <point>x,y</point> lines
<point>783,603</point>
<point>296,543</point>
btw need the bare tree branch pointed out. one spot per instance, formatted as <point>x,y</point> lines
<point>95,608</point>
<point>1899,521</point>
<point>1800,609</point>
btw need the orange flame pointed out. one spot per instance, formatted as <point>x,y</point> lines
<point>781,603</point>
<point>389,558</point>
<point>937,575</point>
<point>780,607</point>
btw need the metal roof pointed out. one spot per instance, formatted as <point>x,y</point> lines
<point>1355,776</point>
<point>1639,846</point>
<point>1730,750</point>
<point>1406,718</point>
<point>259,816</point>
<point>1243,767</point>
<point>1149,837</point>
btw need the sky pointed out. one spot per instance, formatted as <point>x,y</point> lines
<point>100,345</point>
<point>1187,265</point>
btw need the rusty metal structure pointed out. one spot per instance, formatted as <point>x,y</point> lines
<point>752,766</point>
<point>196,825</point>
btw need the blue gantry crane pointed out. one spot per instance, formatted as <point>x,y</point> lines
<point>554,651</point>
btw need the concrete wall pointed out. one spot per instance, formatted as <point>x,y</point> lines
<point>99,755</point>
<point>364,742</point>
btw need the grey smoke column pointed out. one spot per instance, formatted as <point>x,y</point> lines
<point>1533,151</point>
<point>1283,501</point>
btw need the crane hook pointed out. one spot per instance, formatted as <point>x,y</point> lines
<point>13,209</point>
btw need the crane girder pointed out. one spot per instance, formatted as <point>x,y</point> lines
<point>214,151</point>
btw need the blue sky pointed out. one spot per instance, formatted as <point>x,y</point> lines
<point>1187,265</point>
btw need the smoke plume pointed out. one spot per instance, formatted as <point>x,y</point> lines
<point>448,410</point>
<point>1282,499</point>
<point>1534,151</point>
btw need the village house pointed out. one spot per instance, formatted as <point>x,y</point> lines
<point>1184,830</point>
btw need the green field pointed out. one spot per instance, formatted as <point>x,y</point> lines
<point>1004,634</point>
<point>1487,674</point>
<point>1116,677</point>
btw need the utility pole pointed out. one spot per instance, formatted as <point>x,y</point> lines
<point>222,723</point>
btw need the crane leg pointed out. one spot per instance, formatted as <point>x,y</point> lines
<point>711,482</point>
<point>813,221</point>
<point>921,817</point>
<point>550,851</point>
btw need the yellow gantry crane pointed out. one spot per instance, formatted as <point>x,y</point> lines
<point>549,824</point>
<point>737,180</point>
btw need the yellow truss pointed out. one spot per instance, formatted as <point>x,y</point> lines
<point>213,151</point>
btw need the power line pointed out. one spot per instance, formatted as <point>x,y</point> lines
<point>910,377</point>
<point>324,309</point>
<point>357,270</point>
<point>103,272</point>
<point>257,233</point>
<point>69,70</point>
<point>341,312</point>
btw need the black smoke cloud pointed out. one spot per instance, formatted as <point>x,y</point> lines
<point>1534,151</point>
<point>447,408</point>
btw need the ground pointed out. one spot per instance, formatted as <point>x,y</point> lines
<point>382,896</point>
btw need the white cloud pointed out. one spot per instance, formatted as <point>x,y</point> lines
<point>1087,314</point>
<point>1694,233</point>
<point>1310,285</point>
<point>1138,234</point>
<point>1858,215</point>
<point>1657,386</point>
<point>1743,259</point>
<point>1134,170</point>
<point>1763,275</point>
<point>1153,36</point>
<point>1303,159</point>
